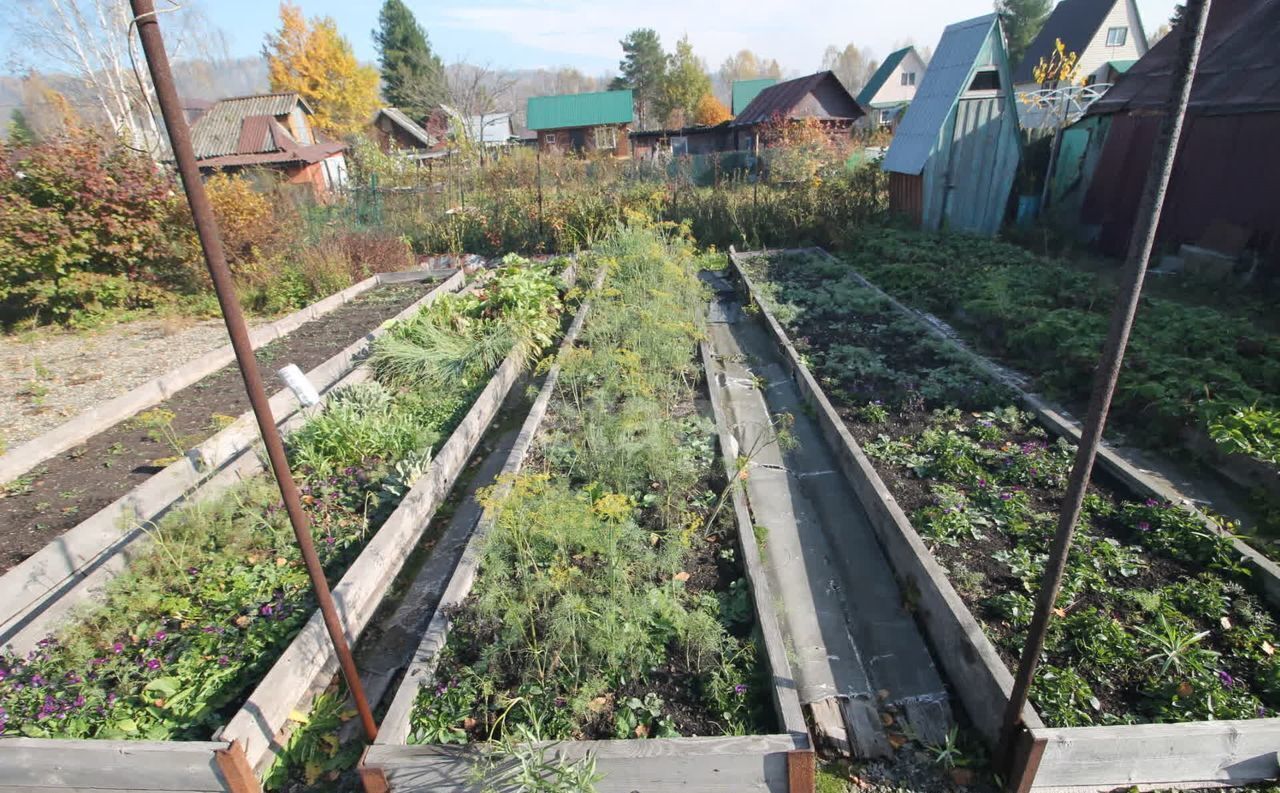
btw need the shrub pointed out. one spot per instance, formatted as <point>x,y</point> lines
<point>249,223</point>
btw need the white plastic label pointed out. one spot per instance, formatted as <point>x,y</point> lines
<point>300,385</point>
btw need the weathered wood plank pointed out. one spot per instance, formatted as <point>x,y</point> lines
<point>235,769</point>
<point>45,764</point>
<point>395,725</point>
<point>751,764</point>
<point>94,420</point>
<point>979,677</point>
<point>39,592</point>
<point>802,771</point>
<point>1224,752</point>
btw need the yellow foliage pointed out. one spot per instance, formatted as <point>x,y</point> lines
<point>1060,66</point>
<point>710,111</point>
<point>313,59</point>
<point>245,217</point>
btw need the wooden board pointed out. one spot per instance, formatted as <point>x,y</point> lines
<point>39,592</point>
<point>1158,755</point>
<point>45,764</point>
<point>750,764</point>
<point>98,418</point>
<point>974,668</point>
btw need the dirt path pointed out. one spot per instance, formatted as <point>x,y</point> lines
<point>72,486</point>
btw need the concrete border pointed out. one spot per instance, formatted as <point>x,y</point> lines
<point>39,591</point>
<point>75,431</point>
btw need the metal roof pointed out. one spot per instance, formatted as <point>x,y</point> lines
<point>1238,72</point>
<point>781,100</point>
<point>490,128</point>
<point>746,90</point>
<point>1076,22</point>
<point>218,132</point>
<point>580,110</point>
<point>946,78</point>
<point>397,117</point>
<point>1120,67</point>
<point>877,80</point>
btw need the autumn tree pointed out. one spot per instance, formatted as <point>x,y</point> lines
<point>853,66</point>
<point>313,59</point>
<point>685,84</point>
<point>710,111</point>
<point>745,65</point>
<point>413,76</point>
<point>19,131</point>
<point>1021,20</point>
<point>643,69</point>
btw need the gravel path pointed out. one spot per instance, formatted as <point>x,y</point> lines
<point>49,376</point>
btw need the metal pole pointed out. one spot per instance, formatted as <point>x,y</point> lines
<point>1108,371</point>
<point>207,228</point>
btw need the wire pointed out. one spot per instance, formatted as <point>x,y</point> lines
<point>133,64</point>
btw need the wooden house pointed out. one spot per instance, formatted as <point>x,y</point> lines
<point>954,157</point>
<point>819,97</point>
<point>393,131</point>
<point>892,87</point>
<point>268,131</point>
<point>591,122</point>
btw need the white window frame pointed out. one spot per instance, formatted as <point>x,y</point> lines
<point>550,138</point>
<point>611,138</point>
<point>908,78</point>
<point>1121,33</point>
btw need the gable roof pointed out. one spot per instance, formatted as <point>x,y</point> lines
<point>781,100</point>
<point>1076,22</point>
<point>244,130</point>
<point>878,79</point>
<point>746,90</point>
<point>408,125</point>
<point>1238,72</point>
<point>947,77</point>
<point>580,110</point>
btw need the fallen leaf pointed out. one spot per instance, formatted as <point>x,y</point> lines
<point>1225,623</point>
<point>241,621</point>
<point>897,740</point>
<point>886,719</point>
<point>251,559</point>
<point>654,538</point>
<point>681,576</point>
<point>1185,689</point>
<point>281,561</point>
<point>1268,649</point>
<point>298,716</point>
<point>159,703</point>
<point>642,731</point>
<point>468,724</point>
<point>598,704</point>
<point>963,776</point>
<point>330,743</point>
<point>1060,612</point>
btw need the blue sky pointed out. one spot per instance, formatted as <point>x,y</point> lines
<point>585,33</point>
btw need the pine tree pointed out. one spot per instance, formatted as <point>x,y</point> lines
<point>643,69</point>
<point>314,60</point>
<point>686,82</point>
<point>412,74</point>
<point>1022,20</point>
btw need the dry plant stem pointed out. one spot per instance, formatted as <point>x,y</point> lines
<point>1108,371</point>
<point>211,243</point>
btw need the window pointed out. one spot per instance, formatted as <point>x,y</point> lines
<point>988,80</point>
<point>550,138</point>
<point>908,78</point>
<point>606,137</point>
<point>1116,37</point>
<point>886,116</point>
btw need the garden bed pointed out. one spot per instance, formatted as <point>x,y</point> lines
<point>40,591</point>
<point>55,481</point>
<point>196,643</point>
<point>605,622</point>
<point>1158,621</point>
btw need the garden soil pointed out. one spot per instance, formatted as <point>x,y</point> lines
<point>68,488</point>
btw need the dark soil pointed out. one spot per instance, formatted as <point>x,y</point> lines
<point>74,485</point>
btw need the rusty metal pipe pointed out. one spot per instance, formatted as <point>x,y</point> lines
<point>210,240</point>
<point>1108,371</point>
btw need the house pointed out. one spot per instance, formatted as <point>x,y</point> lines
<point>892,87</point>
<point>589,122</point>
<point>393,131</point>
<point>743,91</point>
<point>1100,32</point>
<point>692,141</point>
<point>271,131</point>
<point>1227,172</point>
<point>954,157</point>
<point>490,129</point>
<point>819,96</point>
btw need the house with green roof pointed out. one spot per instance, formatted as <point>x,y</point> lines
<point>892,87</point>
<point>746,90</point>
<point>598,121</point>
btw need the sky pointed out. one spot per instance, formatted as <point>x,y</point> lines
<point>585,33</point>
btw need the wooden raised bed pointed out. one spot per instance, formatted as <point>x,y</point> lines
<point>1146,756</point>
<point>781,763</point>
<point>246,746</point>
<point>39,592</point>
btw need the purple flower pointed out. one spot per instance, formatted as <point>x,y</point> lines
<point>1227,680</point>
<point>117,648</point>
<point>72,677</point>
<point>267,610</point>
<point>3,673</point>
<point>740,689</point>
<point>1144,526</point>
<point>153,664</point>
<point>79,703</point>
<point>111,698</point>
<point>97,661</point>
<point>1006,496</point>
<point>223,660</point>
<point>1262,712</point>
<point>1151,502</point>
<point>161,636</point>
<point>37,681</point>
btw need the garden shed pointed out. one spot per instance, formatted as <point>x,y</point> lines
<point>954,157</point>
<point>597,121</point>
<point>819,97</point>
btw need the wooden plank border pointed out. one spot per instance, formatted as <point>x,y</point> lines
<point>39,764</point>
<point>980,679</point>
<point>39,592</point>
<point>71,433</point>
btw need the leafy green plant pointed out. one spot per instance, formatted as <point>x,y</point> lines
<point>1251,431</point>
